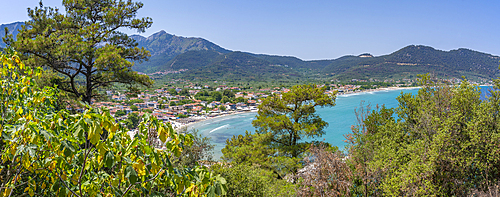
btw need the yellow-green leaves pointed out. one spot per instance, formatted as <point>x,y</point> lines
<point>95,133</point>
<point>131,174</point>
<point>79,153</point>
<point>109,159</point>
<point>162,132</point>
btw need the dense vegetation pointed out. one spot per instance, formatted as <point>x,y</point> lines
<point>87,56</point>
<point>48,152</point>
<point>444,141</point>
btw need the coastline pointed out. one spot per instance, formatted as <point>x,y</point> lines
<point>179,125</point>
<point>206,118</point>
<point>377,90</point>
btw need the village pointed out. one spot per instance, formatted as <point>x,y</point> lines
<point>182,107</point>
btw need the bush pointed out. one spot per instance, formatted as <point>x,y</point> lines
<point>253,181</point>
<point>48,152</point>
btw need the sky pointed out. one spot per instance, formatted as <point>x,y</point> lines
<point>317,29</point>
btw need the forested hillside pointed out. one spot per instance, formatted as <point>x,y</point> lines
<point>413,60</point>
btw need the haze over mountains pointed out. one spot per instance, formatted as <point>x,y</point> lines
<point>206,60</point>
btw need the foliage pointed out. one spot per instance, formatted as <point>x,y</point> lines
<point>132,120</point>
<point>443,141</point>
<point>291,118</point>
<point>225,99</point>
<point>120,113</point>
<point>240,100</point>
<point>134,108</point>
<point>228,93</point>
<point>181,116</point>
<point>248,180</point>
<point>325,173</point>
<point>200,150</point>
<point>184,92</point>
<point>255,150</point>
<point>172,91</point>
<point>216,95</point>
<point>84,44</point>
<point>48,152</point>
<point>232,66</point>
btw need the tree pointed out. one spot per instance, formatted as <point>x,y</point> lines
<point>39,147</point>
<point>120,113</point>
<point>253,181</point>
<point>216,95</point>
<point>228,93</point>
<point>443,141</point>
<point>184,92</point>
<point>222,107</point>
<point>132,120</point>
<point>85,45</point>
<point>172,91</point>
<point>225,99</point>
<point>134,108</point>
<point>200,150</point>
<point>240,100</point>
<point>325,173</point>
<point>291,117</point>
<point>255,150</point>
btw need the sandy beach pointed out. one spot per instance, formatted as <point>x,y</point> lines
<point>177,125</point>
<point>197,119</point>
<point>377,90</point>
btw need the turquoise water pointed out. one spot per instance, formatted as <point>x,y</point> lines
<point>340,118</point>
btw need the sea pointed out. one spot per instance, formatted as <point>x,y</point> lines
<point>340,118</point>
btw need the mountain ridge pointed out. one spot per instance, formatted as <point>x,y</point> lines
<point>202,57</point>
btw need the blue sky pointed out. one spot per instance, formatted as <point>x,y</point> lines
<point>322,29</point>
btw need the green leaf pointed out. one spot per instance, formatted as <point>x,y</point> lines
<point>68,149</point>
<point>46,134</point>
<point>55,186</point>
<point>131,174</point>
<point>109,159</point>
<point>78,132</point>
<point>62,192</point>
<point>162,134</point>
<point>94,134</point>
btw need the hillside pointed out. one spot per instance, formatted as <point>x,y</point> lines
<point>407,62</point>
<point>164,47</point>
<point>413,60</point>
<point>231,66</point>
<point>206,60</point>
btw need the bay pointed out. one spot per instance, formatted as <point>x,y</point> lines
<point>340,118</point>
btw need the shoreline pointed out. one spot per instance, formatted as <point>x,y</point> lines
<point>187,125</point>
<point>377,90</point>
<point>178,125</point>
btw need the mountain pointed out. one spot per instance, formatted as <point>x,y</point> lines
<point>205,60</point>
<point>13,29</point>
<point>164,47</point>
<point>417,59</point>
<point>407,62</point>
